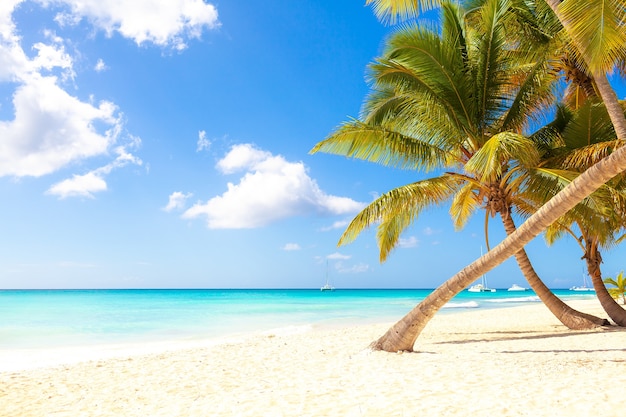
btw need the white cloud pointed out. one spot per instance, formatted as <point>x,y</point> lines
<point>428,231</point>
<point>338,255</point>
<point>92,182</point>
<point>243,157</point>
<point>50,57</point>
<point>177,201</point>
<point>79,186</point>
<point>203,142</point>
<point>352,269</point>
<point>339,224</point>
<point>271,189</point>
<point>161,22</point>
<point>409,242</point>
<point>100,66</point>
<point>52,129</point>
<point>291,246</point>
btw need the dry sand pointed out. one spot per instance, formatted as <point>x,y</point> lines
<point>517,361</point>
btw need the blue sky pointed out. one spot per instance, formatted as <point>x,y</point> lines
<point>160,144</point>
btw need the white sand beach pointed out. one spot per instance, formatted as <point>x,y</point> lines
<point>518,361</point>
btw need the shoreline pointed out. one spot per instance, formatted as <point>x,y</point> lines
<point>31,356</point>
<point>516,361</point>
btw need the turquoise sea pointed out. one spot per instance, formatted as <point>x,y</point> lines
<point>41,319</point>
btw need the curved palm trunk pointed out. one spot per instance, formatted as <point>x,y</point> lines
<point>616,113</point>
<point>570,317</point>
<point>403,334</point>
<point>614,310</point>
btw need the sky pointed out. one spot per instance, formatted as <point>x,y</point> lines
<point>165,144</point>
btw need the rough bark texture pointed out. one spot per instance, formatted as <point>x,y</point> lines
<point>594,259</point>
<point>570,317</point>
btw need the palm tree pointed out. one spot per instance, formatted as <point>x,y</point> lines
<point>403,334</point>
<point>620,283</point>
<point>425,113</point>
<point>585,137</point>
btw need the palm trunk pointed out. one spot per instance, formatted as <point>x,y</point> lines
<point>403,334</point>
<point>616,113</point>
<point>609,98</point>
<point>570,317</point>
<point>593,258</point>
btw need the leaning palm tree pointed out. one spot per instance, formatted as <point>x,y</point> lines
<point>425,113</point>
<point>586,136</point>
<point>609,27</point>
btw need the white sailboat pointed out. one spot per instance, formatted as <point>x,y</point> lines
<point>584,287</point>
<point>482,287</point>
<point>516,287</point>
<point>327,286</point>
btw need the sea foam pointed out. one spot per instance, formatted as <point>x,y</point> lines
<point>529,299</point>
<point>468,304</point>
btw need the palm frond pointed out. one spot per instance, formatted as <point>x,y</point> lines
<point>405,202</point>
<point>422,64</point>
<point>390,11</point>
<point>464,204</point>
<point>377,144</point>
<point>597,28</point>
<point>490,162</point>
<point>580,159</point>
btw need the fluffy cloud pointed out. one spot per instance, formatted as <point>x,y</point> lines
<point>203,143</point>
<point>100,66</point>
<point>79,185</point>
<point>353,269</point>
<point>161,22</point>
<point>291,247</point>
<point>270,189</point>
<point>52,129</point>
<point>409,242</point>
<point>92,182</point>
<point>338,256</point>
<point>339,224</point>
<point>177,201</point>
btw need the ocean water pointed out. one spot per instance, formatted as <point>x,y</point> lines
<point>44,319</point>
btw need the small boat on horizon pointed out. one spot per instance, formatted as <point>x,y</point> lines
<point>584,287</point>
<point>516,287</point>
<point>482,287</point>
<point>581,288</point>
<point>327,286</point>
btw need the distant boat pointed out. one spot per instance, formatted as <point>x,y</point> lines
<point>516,287</point>
<point>584,287</point>
<point>482,287</point>
<point>581,288</point>
<point>327,286</point>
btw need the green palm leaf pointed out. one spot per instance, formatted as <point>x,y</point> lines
<point>464,204</point>
<point>597,28</point>
<point>403,203</point>
<point>392,10</point>
<point>377,144</point>
<point>490,161</point>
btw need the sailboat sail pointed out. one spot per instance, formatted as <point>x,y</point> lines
<point>482,287</point>
<point>327,286</point>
